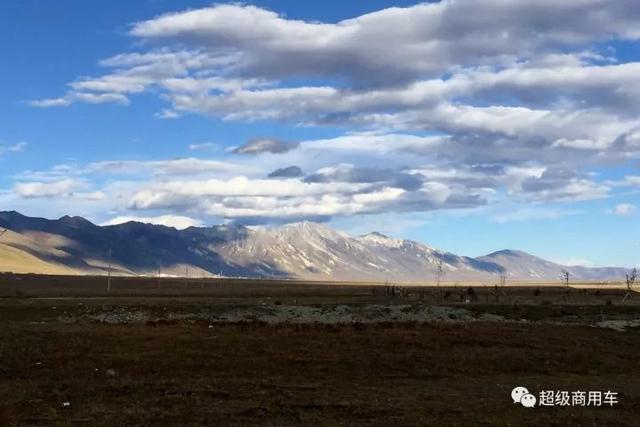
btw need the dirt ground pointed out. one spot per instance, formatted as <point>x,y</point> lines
<point>285,355</point>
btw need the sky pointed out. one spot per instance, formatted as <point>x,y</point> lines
<point>469,125</point>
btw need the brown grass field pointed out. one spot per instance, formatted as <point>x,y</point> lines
<point>165,355</point>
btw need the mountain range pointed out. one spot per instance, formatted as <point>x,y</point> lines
<point>304,250</point>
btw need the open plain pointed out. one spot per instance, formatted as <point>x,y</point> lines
<point>172,351</point>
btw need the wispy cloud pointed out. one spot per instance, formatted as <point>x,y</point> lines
<point>624,209</point>
<point>533,214</point>
<point>84,97</point>
<point>13,148</point>
<point>205,146</point>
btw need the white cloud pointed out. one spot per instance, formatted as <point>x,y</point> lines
<point>633,180</point>
<point>64,187</point>
<point>265,145</point>
<point>61,188</point>
<point>167,193</point>
<point>447,104</point>
<point>397,42</point>
<point>176,221</point>
<point>265,199</point>
<point>377,143</point>
<point>50,102</point>
<point>506,85</point>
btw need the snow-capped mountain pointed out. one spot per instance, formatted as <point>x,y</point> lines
<point>302,250</point>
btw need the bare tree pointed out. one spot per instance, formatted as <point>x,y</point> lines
<point>630,279</point>
<point>392,290</point>
<point>498,288</point>
<point>439,273</point>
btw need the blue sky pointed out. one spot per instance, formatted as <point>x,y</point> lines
<point>517,129</point>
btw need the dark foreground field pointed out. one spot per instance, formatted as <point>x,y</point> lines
<point>177,362</point>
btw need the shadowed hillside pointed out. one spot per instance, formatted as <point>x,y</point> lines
<point>301,250</point>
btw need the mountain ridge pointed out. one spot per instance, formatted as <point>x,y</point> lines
<point>305,250</point>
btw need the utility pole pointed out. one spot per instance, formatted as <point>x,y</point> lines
<point>109,271</point>
<point>13,284</point>
<point>440,273</point>
<point>2,231</point>
<point>503,279</point>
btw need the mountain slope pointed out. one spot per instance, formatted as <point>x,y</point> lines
<point>409,258</point>
<point>131,248</point>
<point>21,261</point>
<point>301,250</point>
<point>525,266</point>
